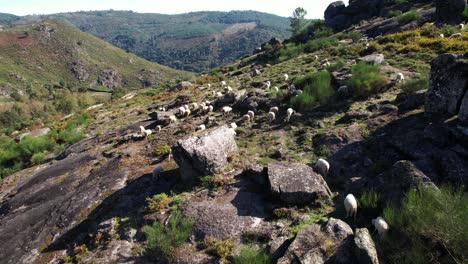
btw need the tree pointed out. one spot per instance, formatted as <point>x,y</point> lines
<point>298,21</point>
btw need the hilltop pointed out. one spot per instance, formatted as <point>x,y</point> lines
<point>195,41</point>
<point>384,101</point>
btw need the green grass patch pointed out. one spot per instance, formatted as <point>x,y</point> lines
<point>414,85</point>
<point>252,255</point>
<point>366,79</point>
<point>369,199</point>
<point>408,17</point>
<point>316,87</point>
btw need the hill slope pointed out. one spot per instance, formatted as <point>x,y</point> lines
<point>193,41</point>
<point>55,53</point>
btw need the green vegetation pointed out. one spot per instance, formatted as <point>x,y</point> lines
<point>465,12</point>
<point>163,238</point>
<point>366,80</point>
<point>408,17</point>
<point>158,202</point>
<point>394,13</point>
<point>369,199</point>
<point>251,255</point>
<point>316,88</point>
<point>315,217</point>
<point>162,150</point>
<point>429,218</point>
<point>220,248</point>
<point>298,21</point>
<point>415,85</point>
<point>322,151</point>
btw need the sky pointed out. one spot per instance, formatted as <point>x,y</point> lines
<point>314,8</point>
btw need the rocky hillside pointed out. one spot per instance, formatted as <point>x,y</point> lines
<point>194,42</point>
<point>389,115</point>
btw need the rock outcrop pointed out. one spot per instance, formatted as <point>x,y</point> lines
<point>448,87</point>
<point>110,78</point>
<point>296,183</point>
<point>181,85</point>
<point>450,11</point>
<point>205,154</point>
<point>373,59</point>
<point>340,17</point>
<point>35,133</point>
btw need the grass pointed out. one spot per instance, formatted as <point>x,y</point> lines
<point>414,85</point>
<point>427,219</point>
<point>162,239</point>
<point>408,17</point>
<point>316,87</point>
<point>252,255</point>
<point>366,79</point>
<point>369,199</point>
<point>158,202</point>
<point>315,217</point>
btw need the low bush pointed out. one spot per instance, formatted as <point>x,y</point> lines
<point>319,43</point>
<point>408,17</point>
<point>465,12</point>
<point>415,85</point>
<point>394,13</point>
<point>366,79</point>
<point>220,248</point>
<point>369,199</point>
<point>428,219</point>
<point>251,255</point>
<point>163,238</point>
<point>316,88</point>
<point>162,150</point>
<point>158,202</point>
<point>322,151</point>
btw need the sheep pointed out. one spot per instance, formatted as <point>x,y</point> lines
<point>271,116</point>
<point>286,76</point>
<point>186,107</point>
<point>219,94</point>
<point>223,83</point>
<point>207,102</point>
<point>274,109</point>
<point>228,88</point>
<point>461,26</point>
<point>316,57</point>
<point>442,35</point>
<point>456,35</point>
<point>145,132</point>
<point>172,119</point>
<point>297,92</point>
<point>182,111</point>
<point>233,125</point>
<point>276,89</point>
<point>210,108</point>
<point>187,112</point>
<point>400,77</point>
<point>209,86</point>
<point>205,109</point>
<point>251,114</point>
<point>324,61</point>
<point>289,113</point>
<point>268,84</point>
<point>381,226</point>
<point>227,110</point>
<point>322,166</point>
<point>213,93</point>
<point>246,118</point>
<point>350,204</point>
<point>194,106</point>
<point>202,104</point>
<point>162,109</point>
<point>201,127</point>
<point>156,171</point>
<point>159,128</point>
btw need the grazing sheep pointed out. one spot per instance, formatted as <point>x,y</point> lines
<point>246,118</point>
<point>228,88</point>
<point>326,64</point>
<point>350,204</point>
<point>271,116</point>
<point>202,104</point>
<point>400,77</point>
<point>251,114</point>
<point>233,125</point>
<point>172,119</point>
<point>156,171</point>
<point>367,45</point>
<point>187,112</point>
<point>207,102</point>
<point>159,128</point>
<point>205,109</point>
<point>289,113</point>
<point>276,89</point>
<point>381,226</point>
<point>286,76</point>
<point>145,132</point>
<point>268,84</point>
<point>274,109</point>
<point>194,106</point>
<point>456,35</point>
<point>209,86</point>
<point>201,127</point>
<point>316,57</point>
<point>324,61</point>
<point>223,83</point>
<point>297,92</point>
<point>442,35</point>
<point>182,110</point>
<point>322,166</point>
<point>219,94</point>
<point>227,110</point>
<point>461,26</point>
<point>186,107</point>
<point>163,109</point>
<point>210,108</point>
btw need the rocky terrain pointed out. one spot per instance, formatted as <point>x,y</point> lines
<point>253,193</point>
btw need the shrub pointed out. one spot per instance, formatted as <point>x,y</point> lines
<point>448,30</point>
<point>162,150</point>
<point>365,79</point>
<point>465,12</point>
<point>70,136</point>
<point>163,238</point>
<point>336,66</point>
<point>322,151</point>
<point>429,218</point>
<point>13,119</point>
<point>251,255</point>
<point>117,92</point>
<point>289,51</point>
<point>414,85</point>
<point>408,17</point>
<point>221,248</point>
<point>38,158</point>
<point>319,43</point>
<point>394,13</point>
<point>369,199</point>
<point>316,87</point>
<point>158,202</point>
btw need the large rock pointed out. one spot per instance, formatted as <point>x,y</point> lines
<point>340,17</point>
<point>373,59</point>
<point>450,11</point>
<point>296,183</point>
<point>365,248</point>
<point>334,9</point>
<point>342,235</point>
<point>205,154</point>
<point>110,78</point>
<point>306,247</point>
<point>180,86</point>
<point>406,175</point>
<point>35,133</point>
<point>448,87</point>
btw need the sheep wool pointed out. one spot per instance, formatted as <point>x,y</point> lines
<point>286,76</point>
<point>274,109</point>
<point>227,109</point>
<point>271,116</point>
<point>350,204</point>
<point>289,113</point>
<point>251,114</point>
<point>400,77</point>
<point>381,226</point>
<point>246,118</point>
<point>322,166</point>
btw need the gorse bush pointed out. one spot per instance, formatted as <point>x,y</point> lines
<point>316,88</point>
<point>158,202</point>
<point>408,17</point>
<point>366,79</point>
<point>251,255</point>
<point>429,218</point>
<point>163,238</point>
<point>220,248</point>
<point>415,85</point>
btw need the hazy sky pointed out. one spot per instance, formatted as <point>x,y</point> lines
<point>315,8</point>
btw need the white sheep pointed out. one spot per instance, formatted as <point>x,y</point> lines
<point>286,76</point>
<point>156,171</point>
<point>159,128</point>
<point>187,112</point>
<point>350,204</point>
<point>213,93</point>
<point>381,226</point>
<point>223,83</point>
<point>205,109</point>
<point>209,85</point>
<point>251,114</point>
<point>268,84</point>
<point>461,26</point>
<point>442,35</point>
<point>289,113</point>
<point>162,109</point>
<point>201,127</point>
<point>324,61</point>
<point>202,104</point>
<point>271,116</point>
<point>182,111</point>
<point>276,89</point>
<point>322,166</point>
<point>456,35</point>
<point>246,118</point>
<point>210,108</point>
<point>233,125</point>
<point>400,77</point>
<point>219,94</point>
<point>172,119</point>
<point>186,107</point>
<point>145,132</point>
<point>194,106</point>
<point>316,57</point>
<point>227,110</point>
<point>274,109</point>
<point>207,102</point>
<point>228,88</point>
